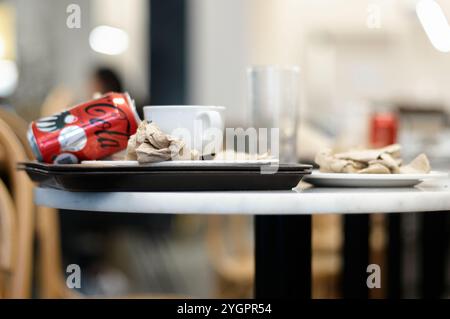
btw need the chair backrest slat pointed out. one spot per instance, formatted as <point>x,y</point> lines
<point>22,194</point>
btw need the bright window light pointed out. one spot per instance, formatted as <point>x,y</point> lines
<point>8,77</point>
<point>2,48</point>
<point>108,40</point>
<point>435,24</point>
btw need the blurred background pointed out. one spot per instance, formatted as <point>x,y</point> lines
<point>357,58</point>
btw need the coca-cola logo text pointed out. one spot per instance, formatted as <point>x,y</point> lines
<point>103,115</point>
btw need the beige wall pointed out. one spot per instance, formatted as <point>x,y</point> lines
<point>218,54</point>
<point>344,62</point>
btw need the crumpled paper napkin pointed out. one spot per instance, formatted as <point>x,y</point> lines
<point>384,160</point>
<point>150,145</point>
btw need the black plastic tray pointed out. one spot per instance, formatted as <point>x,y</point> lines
<point>147,178</point>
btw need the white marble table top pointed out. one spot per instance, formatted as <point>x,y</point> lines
<point>302,200</point>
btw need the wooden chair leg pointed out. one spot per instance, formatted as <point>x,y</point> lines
<point>51,279</point>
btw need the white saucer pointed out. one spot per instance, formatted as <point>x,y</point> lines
<point>318,178</point>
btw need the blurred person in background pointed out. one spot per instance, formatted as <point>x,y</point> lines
<point>4,104</point>
<point>105,80</point>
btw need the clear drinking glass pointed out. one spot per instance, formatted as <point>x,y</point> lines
<point>273,98</point>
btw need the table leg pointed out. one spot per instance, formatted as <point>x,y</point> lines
<point>356,256</point>
<point>394,256</point>
<point>283,256</point>
<point>435,240</point>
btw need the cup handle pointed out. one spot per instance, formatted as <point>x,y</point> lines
<point>209,119</point>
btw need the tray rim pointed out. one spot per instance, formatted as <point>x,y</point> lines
<point>217,180</point>
<point>72,168</point>
<point>161,172</point>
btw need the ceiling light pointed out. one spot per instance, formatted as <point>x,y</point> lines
<point>108,40</point>
<point>435,24</point>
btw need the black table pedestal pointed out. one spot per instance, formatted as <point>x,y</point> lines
<point>435,240</point>
<point>356,256</point>
<point>283,256</point>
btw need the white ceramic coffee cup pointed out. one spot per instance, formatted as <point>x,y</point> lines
<point>200,126</point>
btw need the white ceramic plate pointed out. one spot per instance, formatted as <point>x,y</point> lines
<point>184,163</point>
<point>370,180</point>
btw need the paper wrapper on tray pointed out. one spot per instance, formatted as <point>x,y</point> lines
<point>150,145</point>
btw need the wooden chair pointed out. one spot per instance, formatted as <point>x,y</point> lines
<point>7,240</point>
<point>19,128</point>
<point>51,281</point>
<point>17,222</point>
<point>49,259</point>
<point>231,255</point>
<point>326,256</point>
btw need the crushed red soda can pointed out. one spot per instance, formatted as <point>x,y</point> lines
<point>88,131</point>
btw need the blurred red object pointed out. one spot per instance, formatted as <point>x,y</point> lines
<point>383,129</point>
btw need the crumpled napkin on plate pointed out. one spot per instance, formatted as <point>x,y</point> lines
<point>150,145</point>
<point>384,160</point>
